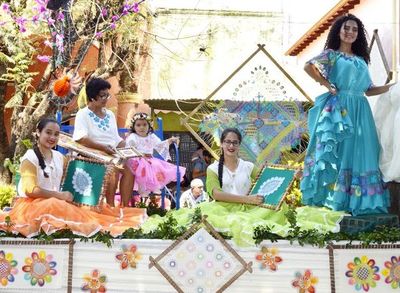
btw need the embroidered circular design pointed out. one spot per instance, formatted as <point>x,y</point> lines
<point>200,238</point>
<point>191,265</point>
<point>305,283</point>
<point>190,247</point>
<point>7,268</point>
<point>210,247</point>
<point>200,273</point>
<point>39,268</point>
<point>94,282</point>
<point>129,257</point>
<point>268,258</point>
<point>160,176</point>
<point>82,182</point>
<point>392,272</point>
<point>219,256</point>
<point>363,273</point>
<point>271,185</point>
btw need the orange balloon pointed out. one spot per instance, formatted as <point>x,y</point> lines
<point>62,86</point>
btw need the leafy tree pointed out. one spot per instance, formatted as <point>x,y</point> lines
<point>66,29</point>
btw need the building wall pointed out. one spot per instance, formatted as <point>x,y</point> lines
<point>195,50</point>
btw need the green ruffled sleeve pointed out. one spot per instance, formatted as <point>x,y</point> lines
<point>212,182</point>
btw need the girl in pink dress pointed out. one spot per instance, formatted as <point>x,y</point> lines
<point>151,174</point>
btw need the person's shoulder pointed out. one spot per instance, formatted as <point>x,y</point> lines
<point>30,156</point>
<point>131,135</point>
<point>29,153</point>
<point>152,135</point>
<point>185,193</point>
<point>198,161</point>
<point>82,111</point>
<point>109,112</point>
<point>329,50</point>
<point>246,163</point>
<point>57,154</point>
<point>214,167</point>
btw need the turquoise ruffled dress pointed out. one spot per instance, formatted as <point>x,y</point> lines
<point>341,168</point>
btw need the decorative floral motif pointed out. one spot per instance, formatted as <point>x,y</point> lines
<point>200,263</point>
<point>160,176</point>
<point>363,273</point>
<point>392,272</point>
<point>102,123</point>
<point>268,258</point>
<point>7,268</point>
<point>359,184</point>
<point>39,268</point>
<point>95,282</point>
<point>82,182</point>
<point>129,257</point>
<point>305,283</point>
<point>271,185</point>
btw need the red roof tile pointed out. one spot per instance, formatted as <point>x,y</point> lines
<point>344,6</point>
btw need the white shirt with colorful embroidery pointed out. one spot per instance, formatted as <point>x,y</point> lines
<point>102,130</point>
<point>54,169</point>
<point>147,144</point>
<point>237,182</point>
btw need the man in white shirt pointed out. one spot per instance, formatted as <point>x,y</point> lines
<point>193,196</point>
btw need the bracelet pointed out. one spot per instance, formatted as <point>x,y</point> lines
<point>332,86</point>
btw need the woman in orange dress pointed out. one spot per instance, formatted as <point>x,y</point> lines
<point>42,206</point>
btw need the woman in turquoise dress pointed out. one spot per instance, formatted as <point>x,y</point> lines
<point>341,168</point>
<point>236,213</point>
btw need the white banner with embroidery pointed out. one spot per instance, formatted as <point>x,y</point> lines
<point>367,270</point>
<point>32,267</point>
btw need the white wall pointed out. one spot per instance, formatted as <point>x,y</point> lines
<point>195,50</point>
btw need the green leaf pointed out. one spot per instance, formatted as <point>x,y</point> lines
<point>6,59</point>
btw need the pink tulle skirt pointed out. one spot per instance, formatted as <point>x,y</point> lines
<point>152,174</point>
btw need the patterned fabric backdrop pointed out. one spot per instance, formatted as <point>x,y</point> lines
<point>269,128</point>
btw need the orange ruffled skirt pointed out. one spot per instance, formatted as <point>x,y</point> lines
<point>29,216</point>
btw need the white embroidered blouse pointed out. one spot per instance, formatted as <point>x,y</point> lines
<point>147,144</point>
<point>237,182</point>
<point>102,130</point>
<point>54,169</point>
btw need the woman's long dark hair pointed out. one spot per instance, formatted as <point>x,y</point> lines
<point>40,126</point>
<point>360,45</point>
<point>221,158</point>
